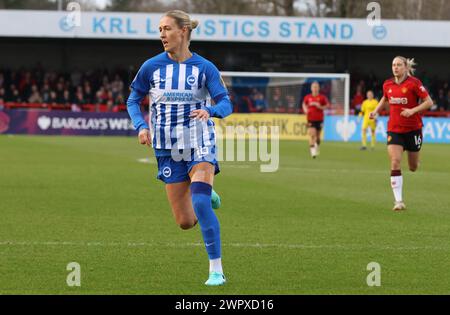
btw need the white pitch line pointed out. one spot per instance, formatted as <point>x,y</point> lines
<point>147,161</point>
<point>355,170</point>
<point>243,245</point>
<point>237,165</point>
<point>331,170</point>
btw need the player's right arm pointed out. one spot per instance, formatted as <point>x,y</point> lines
<point>381,104</point>
<point>139,89</point>
<point>305,108</point>
<point>363,110</point>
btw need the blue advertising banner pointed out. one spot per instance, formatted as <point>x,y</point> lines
<point>228,28</point>
<point>435,130</point>
<point>42,122</point>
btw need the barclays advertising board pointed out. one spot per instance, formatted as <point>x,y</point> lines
<point>435,130</point>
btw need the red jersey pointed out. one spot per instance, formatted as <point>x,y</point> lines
<point>404,95</point>
<point>314,113</point>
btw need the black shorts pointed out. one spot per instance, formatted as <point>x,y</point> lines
<point>315,124</point>
<point>410,141</point>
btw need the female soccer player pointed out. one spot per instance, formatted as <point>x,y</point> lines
<point>313,106</point>
<point>179,83</point>
<point>402,93</point>
<point>367,107</point>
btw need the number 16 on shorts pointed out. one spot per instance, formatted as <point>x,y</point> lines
<point>418,140</point>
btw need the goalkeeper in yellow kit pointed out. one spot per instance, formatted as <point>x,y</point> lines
<point>367,107</point>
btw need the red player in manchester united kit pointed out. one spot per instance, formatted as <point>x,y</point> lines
<point>313,106</point>
<point>407,98</point>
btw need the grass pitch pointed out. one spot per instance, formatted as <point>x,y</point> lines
<point>312,227</point>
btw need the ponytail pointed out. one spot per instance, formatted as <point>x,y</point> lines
<point>410,64</point>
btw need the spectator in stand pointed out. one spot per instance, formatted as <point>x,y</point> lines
<point>119,100</point>
<point>60,91</point>
<point>14,78</point>
<point>53,99</point>
<point>35,96</point>
<point>88,94</point>
<point>441,101</point>
<point>18,86</point>
<point>117,86</point>
<point>14,95</point>
<point>25,85</point>
<point>258,101</point>
<point>45,93</point>
<point>78,100</point>
<point>275,100</point>
<point>75,77</point>
<point>2,97</point>
<point>243,104</point>
<point>66,100</point>
<point>109,104</point>
<point>103,97</point>
<point>79,97</point>
<point>291,104</point>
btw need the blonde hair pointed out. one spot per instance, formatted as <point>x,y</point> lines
<point>182,19</point>
<point>409,63</point>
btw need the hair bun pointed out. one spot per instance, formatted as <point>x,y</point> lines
<point>194,24</point>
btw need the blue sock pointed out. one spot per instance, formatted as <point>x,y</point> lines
<point>209,225</point>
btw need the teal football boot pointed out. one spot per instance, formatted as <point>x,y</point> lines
<point>215,278</point>
<point>215,200</point>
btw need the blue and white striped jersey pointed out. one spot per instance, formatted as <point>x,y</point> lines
<point>176,89</point>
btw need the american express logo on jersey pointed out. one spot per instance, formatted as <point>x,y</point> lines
<point>177,97</point>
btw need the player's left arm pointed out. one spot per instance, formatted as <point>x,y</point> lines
<point>218,91</point>
<point>422,93</point>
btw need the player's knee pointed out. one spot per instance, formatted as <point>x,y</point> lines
<point>184,226</point>
<point>413,167</point>
<point>395,164</point>
<point>187,224</point>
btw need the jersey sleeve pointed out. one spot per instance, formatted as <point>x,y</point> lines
<point>306,100</point>
<point>324,100</point>
<point>134,110</point>
<point>363,107</point>
<point>218,91</point>
<point>139,89</point>
<point>420,90</point>
<point>214,83</point>
<point>142,81</point>
<point>385,91</point>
